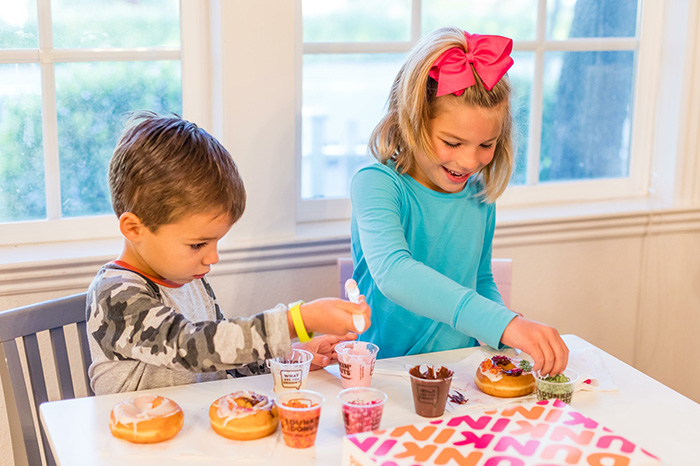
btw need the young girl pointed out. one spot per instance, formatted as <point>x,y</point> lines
<point>423,217</point>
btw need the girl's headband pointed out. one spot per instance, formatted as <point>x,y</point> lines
<point>489,54</point>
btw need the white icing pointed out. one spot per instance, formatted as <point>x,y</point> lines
<point>141,408</point>
<point>228,409</point>
<point>492,377</point>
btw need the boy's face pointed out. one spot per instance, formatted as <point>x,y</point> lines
<point>464,141</point>
<point>184,250</point>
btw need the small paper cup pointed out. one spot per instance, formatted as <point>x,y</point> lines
<point>299,413</point>
<point>291,371</point>
<point>563,391</point>
<point>430,395</point>
<point>362,408</point>
<point>356,362</point>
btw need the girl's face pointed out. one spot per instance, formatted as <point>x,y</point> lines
<point>464,141</point>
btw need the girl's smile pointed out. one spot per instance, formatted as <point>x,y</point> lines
<point>456,177</point>
<point>463,139</point>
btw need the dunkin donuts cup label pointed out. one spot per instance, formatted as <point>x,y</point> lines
<point>292,379</point>
<point>299,413</point>
<point>427,395</point>
<point>299,428</point>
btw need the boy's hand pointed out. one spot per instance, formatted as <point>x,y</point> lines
<point>323,349</point>
<point>540,341</point>
<point>333,316</point>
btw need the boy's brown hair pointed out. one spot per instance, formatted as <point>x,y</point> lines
<point>165,168</point>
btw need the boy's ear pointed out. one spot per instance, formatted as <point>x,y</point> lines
<point>131,226</point>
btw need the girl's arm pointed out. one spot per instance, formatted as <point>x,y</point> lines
<point>485,284</point>
<point>376,200</point>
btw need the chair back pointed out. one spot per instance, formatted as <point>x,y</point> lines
<point>502,274</point>
<point>20,352</point>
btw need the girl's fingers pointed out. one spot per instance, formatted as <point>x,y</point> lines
<point>563,356</point>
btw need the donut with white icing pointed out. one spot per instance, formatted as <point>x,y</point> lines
<point>243,415</point>
<point>146,419</point>
<point>505,377</point>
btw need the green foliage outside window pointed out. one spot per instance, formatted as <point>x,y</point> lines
<point>92,102</point>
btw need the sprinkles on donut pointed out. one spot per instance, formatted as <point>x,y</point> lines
<point>505,377</point>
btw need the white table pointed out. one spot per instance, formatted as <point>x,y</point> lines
<point>656,417</point>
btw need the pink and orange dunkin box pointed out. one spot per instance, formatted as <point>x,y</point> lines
<point>543,433</point>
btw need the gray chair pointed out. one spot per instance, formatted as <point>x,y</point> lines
<point>23,324</point>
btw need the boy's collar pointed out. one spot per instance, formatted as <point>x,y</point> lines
<point>159,281</point>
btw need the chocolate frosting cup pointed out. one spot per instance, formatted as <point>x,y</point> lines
<point>430,389</point>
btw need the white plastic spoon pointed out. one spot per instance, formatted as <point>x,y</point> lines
<point>353,293</point>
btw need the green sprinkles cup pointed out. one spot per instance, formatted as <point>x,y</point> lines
<point>556,387</point>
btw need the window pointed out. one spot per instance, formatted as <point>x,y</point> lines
<point>257,97</point>
<point>70,70</point>
<point>575,79</point>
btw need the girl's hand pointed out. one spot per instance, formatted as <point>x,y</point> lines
<point>333,316</point>
<point>323,349</point>
<point>540,341</point>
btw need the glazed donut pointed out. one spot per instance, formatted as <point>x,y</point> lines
<point>504,377</point>
<point>243,415</point>
<point>146,419</point>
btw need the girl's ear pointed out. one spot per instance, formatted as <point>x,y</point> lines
<point>131,227</point>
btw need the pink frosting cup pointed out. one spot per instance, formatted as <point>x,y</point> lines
<point>356,362</point>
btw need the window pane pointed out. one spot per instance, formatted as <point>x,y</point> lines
<point>356,20</point>
<point>115,23</point>
<point>21,150</point>
<point>521,77</point>
<point>591,18</point>
<point>343,100</point>
<point>511,18</point>
<point>92,100</point>
<point>586,115</point>
<point>18,25</point>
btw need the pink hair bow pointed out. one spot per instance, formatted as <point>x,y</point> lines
<point>489,54</point>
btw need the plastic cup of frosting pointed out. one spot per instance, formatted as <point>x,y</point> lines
<point>430,386</point>
<point>291,371</point>
<point>362,408</point>
<point>559,386</point>
<point>356,362</point>
<point>299,412</point>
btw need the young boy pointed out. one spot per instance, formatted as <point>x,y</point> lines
<point>153,319</point>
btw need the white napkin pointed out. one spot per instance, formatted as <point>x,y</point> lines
<point>592,377</point>
<point>592,374</point>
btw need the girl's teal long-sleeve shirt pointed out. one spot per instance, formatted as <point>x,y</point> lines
<point>423,260</point>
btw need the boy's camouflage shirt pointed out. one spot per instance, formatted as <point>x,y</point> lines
<point>145,335</point>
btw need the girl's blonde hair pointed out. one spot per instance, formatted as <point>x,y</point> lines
<point>412,103</point>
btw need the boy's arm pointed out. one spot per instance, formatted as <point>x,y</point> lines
<point>129,322</point>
